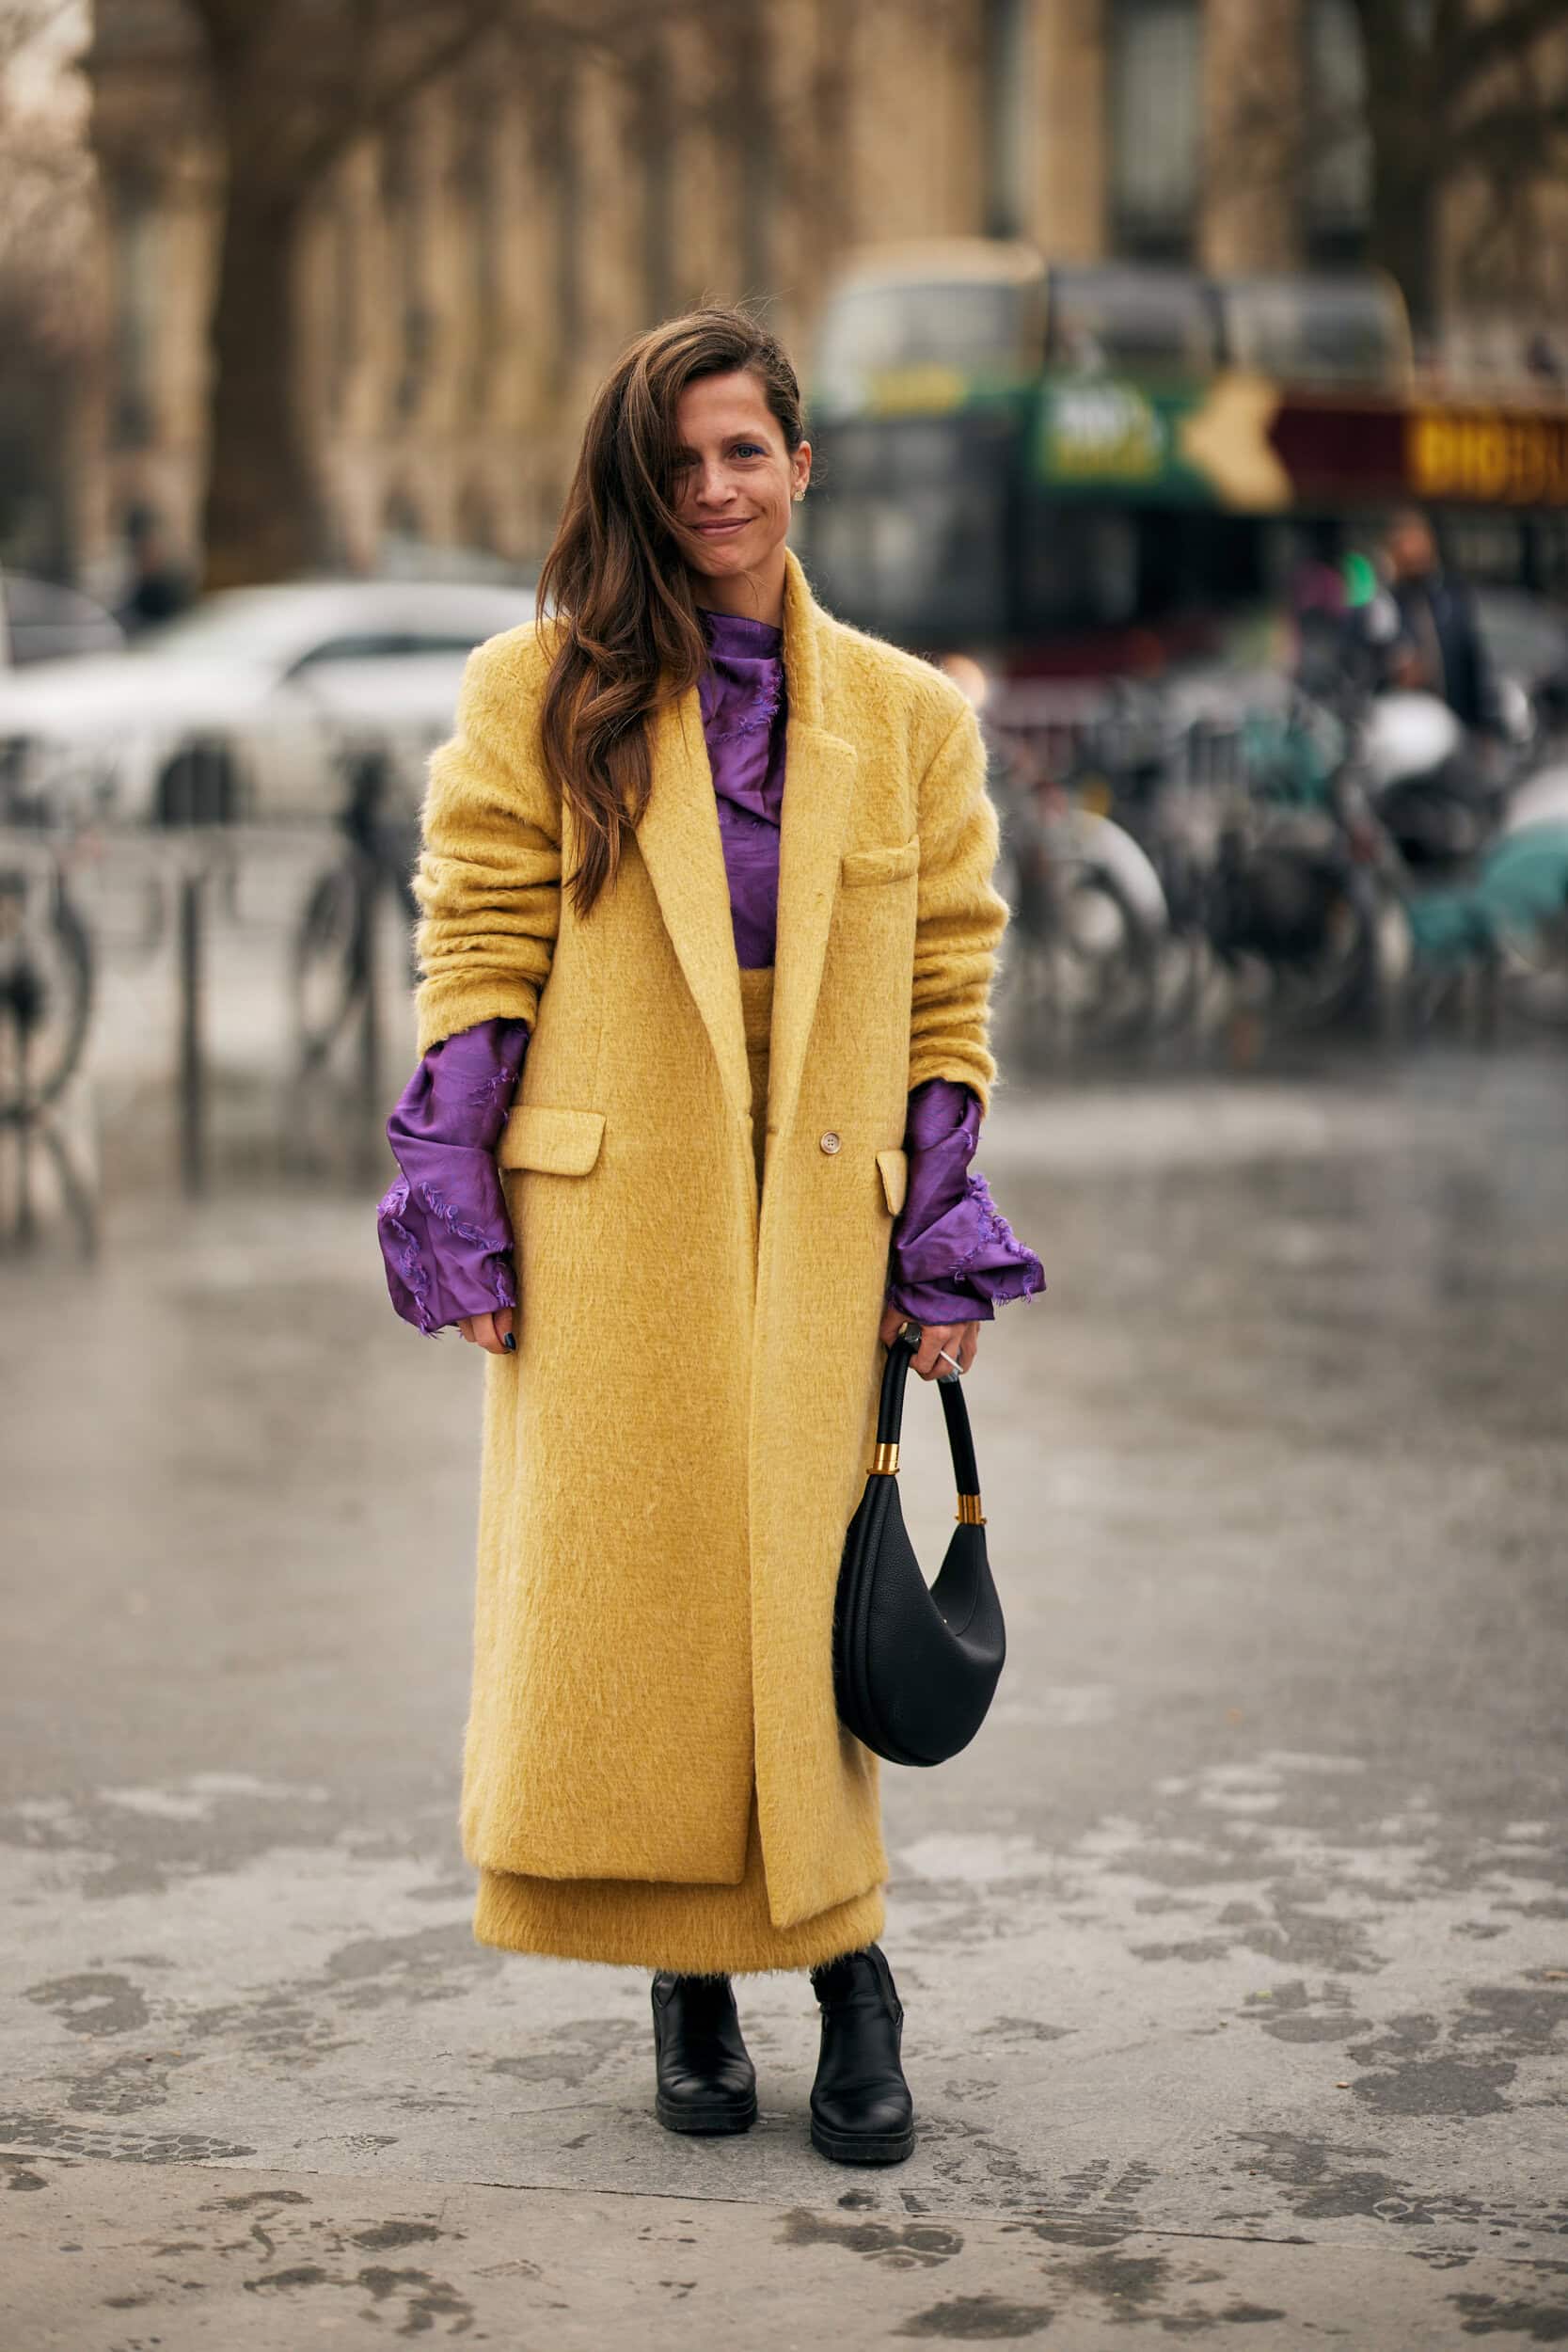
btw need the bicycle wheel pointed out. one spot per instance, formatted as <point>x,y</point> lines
<point>1104,959</point>
<point>328,961</point>
<point>1533,975</point>
<point>46,990</point>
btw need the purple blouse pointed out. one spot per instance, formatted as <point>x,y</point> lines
<point>446,1237</point>
<point>745,714</point>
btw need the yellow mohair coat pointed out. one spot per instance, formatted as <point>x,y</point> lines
<point>655,1772</point>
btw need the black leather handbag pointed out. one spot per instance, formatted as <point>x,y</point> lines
<point>916,1666</point>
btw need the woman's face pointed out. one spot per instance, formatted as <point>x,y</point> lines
<point>735,479</point>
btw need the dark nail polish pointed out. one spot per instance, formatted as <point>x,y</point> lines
<point>510,1343</point>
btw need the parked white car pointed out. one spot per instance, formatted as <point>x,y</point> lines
<point>43,621</point>
<point>241,710</point>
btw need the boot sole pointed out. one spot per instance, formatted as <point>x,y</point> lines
<point>847,2147</point>
<point>705,2123</point>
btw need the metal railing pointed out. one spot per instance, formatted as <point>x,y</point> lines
<point>82,908</point>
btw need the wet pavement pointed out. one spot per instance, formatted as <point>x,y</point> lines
<point>1235,1952</point>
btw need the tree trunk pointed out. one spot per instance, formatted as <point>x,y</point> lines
<point>262,522</point>
<point>1403,239</point>
<point>1408,166</point>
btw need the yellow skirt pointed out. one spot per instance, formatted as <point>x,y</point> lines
<point>635,1923</point>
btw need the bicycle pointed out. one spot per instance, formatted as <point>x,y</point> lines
<point>335,958</point>
<point>1090,917</point>
<point>48,976</point>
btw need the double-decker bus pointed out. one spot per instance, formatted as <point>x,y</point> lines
<point>1063,466</point>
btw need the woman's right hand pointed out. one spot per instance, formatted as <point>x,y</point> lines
<point>495,1333</point>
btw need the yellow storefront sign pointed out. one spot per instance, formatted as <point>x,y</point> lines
<point>1488,456</point>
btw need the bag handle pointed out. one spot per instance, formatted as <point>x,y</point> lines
<point>902,1350</point>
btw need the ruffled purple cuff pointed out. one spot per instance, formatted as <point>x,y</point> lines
<point>444,1229</point>
<point>953,1257</point>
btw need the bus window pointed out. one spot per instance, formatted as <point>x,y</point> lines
<point>910,528</point>
<point>1123,319</point>
<point>1078,567</point>
<point>981,323</point>
<point>1351,330</point>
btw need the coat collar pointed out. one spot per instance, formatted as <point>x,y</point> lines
<point>683,849</point>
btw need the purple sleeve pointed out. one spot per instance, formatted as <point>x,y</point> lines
<point>445,1234</point>
<point>953,1257</point>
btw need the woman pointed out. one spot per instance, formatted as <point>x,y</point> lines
<point>728,981</point>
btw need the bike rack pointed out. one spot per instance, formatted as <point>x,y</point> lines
<point>186,878</point>
<point>208,858</point>
<point>202,857</point>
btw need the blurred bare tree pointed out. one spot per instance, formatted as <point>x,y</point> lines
<point>50,315</point>
<point>297,84</point>
<point>1456,88</point>
<point>294,84</point>
<point>1434,96</point>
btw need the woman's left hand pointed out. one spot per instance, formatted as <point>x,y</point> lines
<point>961,1340</point>
<point>493,1332</point>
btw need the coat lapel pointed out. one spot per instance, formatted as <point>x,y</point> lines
<point>684,852</point>
<point>819,782</point>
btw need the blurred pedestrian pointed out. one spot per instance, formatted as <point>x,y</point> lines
<point>1432,640</point>
<point>755,1027</point>
<point>1319,618</point>
<point>161,586</point>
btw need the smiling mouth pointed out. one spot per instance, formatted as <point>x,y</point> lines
<point>721,531</point>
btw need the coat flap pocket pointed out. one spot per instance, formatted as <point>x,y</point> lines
<point>879,865</point>
<point>894,1167</point>
<point>561,1143</point>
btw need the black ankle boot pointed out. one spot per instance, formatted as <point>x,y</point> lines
<point>706,2082</point>
<point>861,2107</point>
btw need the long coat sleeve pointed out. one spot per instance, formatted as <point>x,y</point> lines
<point>959,916</point>
<point>488,878</point>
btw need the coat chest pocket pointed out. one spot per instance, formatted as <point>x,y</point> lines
<point>858,867</point>
<point>555,1142</point>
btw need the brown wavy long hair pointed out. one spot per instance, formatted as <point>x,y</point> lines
<point>614,583</point>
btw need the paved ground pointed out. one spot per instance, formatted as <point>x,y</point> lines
<point>1235,1953</point>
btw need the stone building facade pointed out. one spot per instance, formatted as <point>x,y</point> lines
<point>469,273</point>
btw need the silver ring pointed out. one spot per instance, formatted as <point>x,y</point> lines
<point>952,1360</point>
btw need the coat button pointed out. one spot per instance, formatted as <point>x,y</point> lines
<point>831,1143</point>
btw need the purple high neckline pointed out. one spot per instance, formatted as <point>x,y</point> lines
<point>736,632</point>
